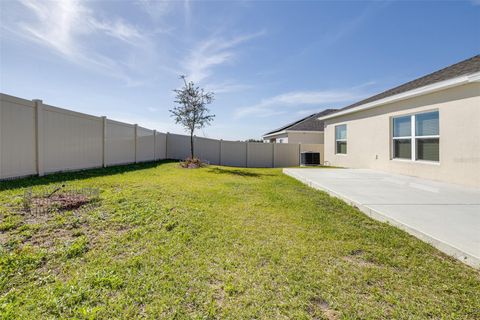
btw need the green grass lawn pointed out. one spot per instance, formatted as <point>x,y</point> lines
<point>217,242</point>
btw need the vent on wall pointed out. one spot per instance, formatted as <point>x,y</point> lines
<point>310,158</point>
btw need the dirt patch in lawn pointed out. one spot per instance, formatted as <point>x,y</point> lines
<point>318,306</point>
<point>50,217</point>
<point>358,258</point>
<point>62,201</point>
<point>58,198</point>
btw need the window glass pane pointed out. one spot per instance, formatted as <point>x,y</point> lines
<point>402,127</point>
<point>426,124</point>
<point>342,147</point>
<point>402,149</point>
<point>428,149</point>
<point>341,132</point>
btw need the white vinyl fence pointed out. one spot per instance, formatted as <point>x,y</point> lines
<point>36,138</point>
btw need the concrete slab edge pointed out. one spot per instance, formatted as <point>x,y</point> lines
<point>447,248</point>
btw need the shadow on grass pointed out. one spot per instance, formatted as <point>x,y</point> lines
<point>238,172</point>
<point>78,175</point>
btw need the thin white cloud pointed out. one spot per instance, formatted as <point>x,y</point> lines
<point>211,53</point>
<point>157,10</point>
<point>82,33</point>
<point>226,87</point>
<point>152,109</point>
<point>67,28</point>
<point>334,34</point>
<point>305,112</point>
<point>187,6</point>
<point>285,102</point>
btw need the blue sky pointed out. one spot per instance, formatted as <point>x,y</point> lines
<point>269,63</point>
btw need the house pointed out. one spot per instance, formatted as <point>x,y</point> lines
<point>428,127</point>
<point>305,130</point>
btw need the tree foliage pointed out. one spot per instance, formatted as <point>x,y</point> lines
<point>191,110</point>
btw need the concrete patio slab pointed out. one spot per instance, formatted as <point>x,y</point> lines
<point>444,215</point>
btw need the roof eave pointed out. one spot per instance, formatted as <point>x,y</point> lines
<point>438,86</point>
<point>305,131</point>
<point>274,134</point>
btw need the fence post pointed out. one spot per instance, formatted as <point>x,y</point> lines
<point>135,134</point>
<point>104,141</point>
<point>273,155</point>
<point>39,142</point>
<point>166,145</point>
<point>299,154</point>
<point>220,152</point>
<point>246,154</point>
<point>194,145</point>
<point>154,145</point>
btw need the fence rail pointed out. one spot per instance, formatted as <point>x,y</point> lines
<point>36,139</point>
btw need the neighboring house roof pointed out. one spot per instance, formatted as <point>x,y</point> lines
<point>309,123</point>
<point>462,68</point>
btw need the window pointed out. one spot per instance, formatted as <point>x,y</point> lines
<point>416,137</point>
<point>427,136</point>
<point>402,137</point>
<point>341,139</point>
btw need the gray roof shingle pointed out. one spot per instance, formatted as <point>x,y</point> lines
<point>461,68</point>
<point>309,123</point>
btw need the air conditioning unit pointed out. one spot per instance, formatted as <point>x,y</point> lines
<point>310,158</point>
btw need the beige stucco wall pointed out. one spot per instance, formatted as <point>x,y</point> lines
<point>305,137</point>
<point>369,137</point>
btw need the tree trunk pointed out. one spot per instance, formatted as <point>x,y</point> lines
<point>191,144</point>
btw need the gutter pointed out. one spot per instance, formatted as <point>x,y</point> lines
<point>288,131</point>
<point>274,134</point>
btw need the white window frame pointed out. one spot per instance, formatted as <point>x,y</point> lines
<point>413,137</point>
<point>341,140</point>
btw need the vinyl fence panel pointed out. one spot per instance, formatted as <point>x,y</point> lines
<point>160,146</point>
<point>145,145</point>
<point>119,143</point>
<point>207,150</point>
<point>178,146</point>
<point>286,155</point>
<point>17,137</point>
<point>259,155</point>
<point>233,153</point>
<point>71,140</point>
<point>37,138</point>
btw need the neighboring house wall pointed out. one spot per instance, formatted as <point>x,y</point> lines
<point>305,137</point>
<point>296,137</point>
<point>369,142</point>
<point>278,138</point>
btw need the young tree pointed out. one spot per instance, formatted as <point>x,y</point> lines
<point>191,110</point>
